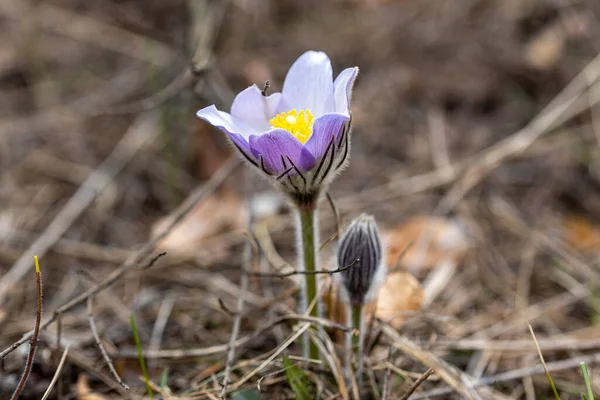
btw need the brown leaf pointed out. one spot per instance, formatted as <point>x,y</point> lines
<point>545,49</point>
<point>215,215</point>
<point>581,234</point>
<point>424,241</point>
<point>401,294</point>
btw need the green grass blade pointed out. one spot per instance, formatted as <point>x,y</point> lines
<point>164,378</point>
<point>138,346</point>
<point>588,382</point>
<point>298,380</point>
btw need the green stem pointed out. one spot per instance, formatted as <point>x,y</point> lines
<point>356,341</point>
<point>308,257</point>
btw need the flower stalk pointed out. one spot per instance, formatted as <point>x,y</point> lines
<point>307,259</point>
<point>356,340</point>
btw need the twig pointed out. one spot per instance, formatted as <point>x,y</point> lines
<point>202,193</point>
<point>154,259</point>
<point>385,395</point>
<point>36,332</point>
<point>101,346</point>
<point>235,330</point>
<point>297,272</point>
<point>57,373</point>
<point>418,383</point>
<point>336,213</point>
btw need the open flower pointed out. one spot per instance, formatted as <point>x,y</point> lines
<point>299,137</point>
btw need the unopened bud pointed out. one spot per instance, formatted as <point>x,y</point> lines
<point>360,256</point>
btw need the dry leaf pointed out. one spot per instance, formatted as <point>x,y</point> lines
<point>83,390</point>
<point>401,294</point>
<point>581,234</point>
<point>545,49</point>
<point>217,214</point>
<point>423,242</point>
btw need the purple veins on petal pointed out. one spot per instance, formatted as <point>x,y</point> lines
<point>309,84</point>
<point>324,129</point>
<point>278,149</point>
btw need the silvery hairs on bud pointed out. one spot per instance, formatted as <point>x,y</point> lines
<point>360,248</point>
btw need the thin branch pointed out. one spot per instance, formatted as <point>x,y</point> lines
<point>336,213</point>
<point>385,395</point>
<point>418,383</point>
<point>297,272</point>
<point>36,332</point>
<point>154,259</point>
<point>101,346</point>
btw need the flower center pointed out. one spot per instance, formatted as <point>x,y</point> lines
<point>298,124</point>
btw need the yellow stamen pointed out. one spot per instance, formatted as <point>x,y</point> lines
<point>298,124</point>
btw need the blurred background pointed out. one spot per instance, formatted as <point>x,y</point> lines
<point>475,137</point>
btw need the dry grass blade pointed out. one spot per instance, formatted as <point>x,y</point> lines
<point>550,381</point>
<point>251,247</point>
<point>105,355</point>
<point>273,356</point>
<point>36,333</point>
<point>448,373</point>
<point>57,373</point>
<point>327,351</point>
<point>417,383</point>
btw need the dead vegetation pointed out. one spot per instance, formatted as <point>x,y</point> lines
<point>475,144</point>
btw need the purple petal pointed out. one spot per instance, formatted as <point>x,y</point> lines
<point>324,129</point>
<point>278,144</point>
<point>343,89</point>
<point>309,84</point>
<point>237,130</point>
<point>255,109</point>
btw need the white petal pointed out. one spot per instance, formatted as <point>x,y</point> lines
<point>343,89</point>
<point>309,84</point>
<point>226,122</point>
<point>255,109</point>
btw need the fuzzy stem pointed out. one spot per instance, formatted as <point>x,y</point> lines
<point>307,256</point>
<point>356,342</point>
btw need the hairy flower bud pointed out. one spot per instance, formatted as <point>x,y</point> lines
<point>360,252</point>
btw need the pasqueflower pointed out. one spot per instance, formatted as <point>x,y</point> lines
<point>299,137</point>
